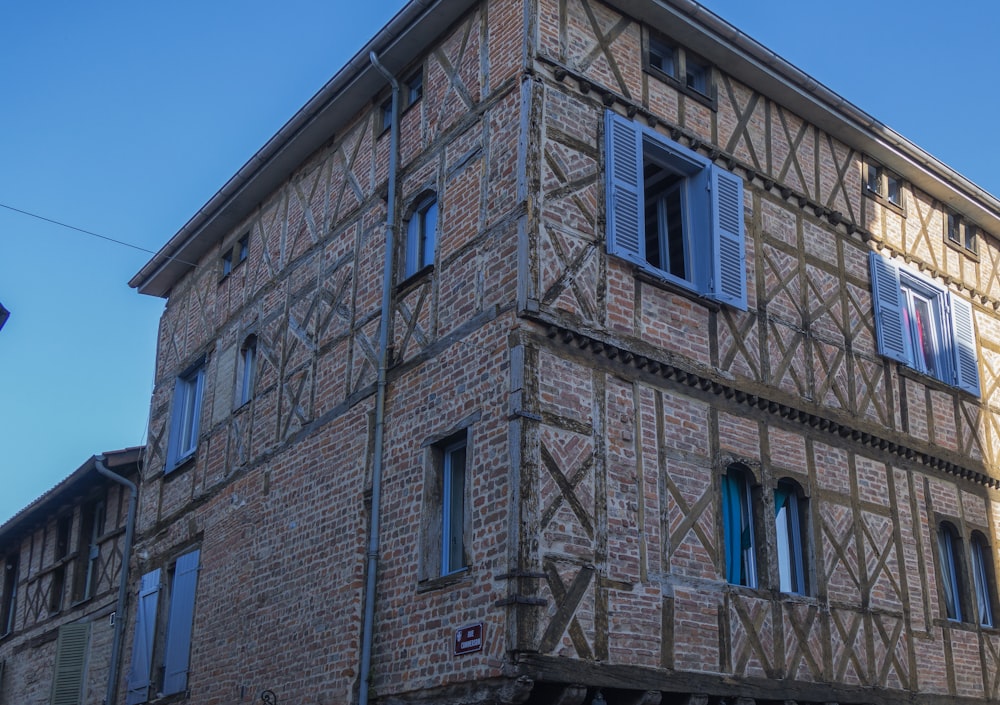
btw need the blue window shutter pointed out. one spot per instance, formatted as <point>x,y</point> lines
<point>964,345</point>
<point>142,642</point>
<point>174,439</point>
<point>893,340</point>
<point>178,650</point>
<point>623,140</point>
<point>729,278</point>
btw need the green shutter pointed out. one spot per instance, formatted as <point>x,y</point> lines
<point>71,663</point>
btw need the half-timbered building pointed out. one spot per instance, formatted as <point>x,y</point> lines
<point>574,351</point>
<point>62,586</point>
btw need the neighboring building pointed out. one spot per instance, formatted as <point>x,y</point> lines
<point>689,392</point>
<point>4,315</point>
<point>62,563</point>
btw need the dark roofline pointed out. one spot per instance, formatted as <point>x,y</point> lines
<point>69,490</point>
<point>4,315</point>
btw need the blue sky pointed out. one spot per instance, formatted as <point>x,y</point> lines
<point>123,118</point>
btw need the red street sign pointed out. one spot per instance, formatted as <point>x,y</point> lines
<point>469,639</point>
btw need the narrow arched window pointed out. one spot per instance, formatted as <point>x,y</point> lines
<point>791,530</point>
<point>421,236</point>
<point>246,371</point>
<point>738,526</point>
<point>982,576</point>
<point>949,554</point>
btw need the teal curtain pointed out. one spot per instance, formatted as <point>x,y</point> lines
<point>780,497</point>
<point>732,527</point>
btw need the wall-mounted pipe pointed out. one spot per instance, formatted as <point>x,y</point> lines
<point>116,644</point>
<point>368,628</point>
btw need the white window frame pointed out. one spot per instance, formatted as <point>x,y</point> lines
<point>790,522</point>
<point>185,415</point>
<point>454,482</point>
<point>711,209</point>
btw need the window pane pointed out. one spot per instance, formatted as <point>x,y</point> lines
<point>697,77</point>
<point>661,56</point>
<point>453,534</point>
<point>979,574</point>
<point>949,573</point>
<point>893,190</point>
<point>429,232</point>
<point>874,174</point>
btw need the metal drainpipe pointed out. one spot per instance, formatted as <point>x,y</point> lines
<point>383,353</point>
<point>116,644</point>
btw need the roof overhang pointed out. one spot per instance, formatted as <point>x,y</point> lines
<point>69,492</point>
<point>397,44</point>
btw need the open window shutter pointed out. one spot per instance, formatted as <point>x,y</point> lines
<point>71,659</point>
<point>893,340</point>
<point>964,345</point>
<point>729,280</point>
<point>623,140</point>
<point>178,651</point>
<point>142,642</point>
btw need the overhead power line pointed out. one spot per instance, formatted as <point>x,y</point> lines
<point>89,232</point>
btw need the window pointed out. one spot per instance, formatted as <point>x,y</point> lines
<point>161,646</point>
<point>791,529</point>
<point>738,526</point>
<point>243,248</point>
<point>961,233</point>
<point>982,578</point>
<point>89,550</point>
<point>453,509</point>
<point>421,235</point>
<point>71,661</point>
<point>386,111</point>
<point>185,416</point>
<point>923,326</point>
<point>64,527</point>
<point>445,511</point>
<point>882,184</point>
<point>680,68</point>
<point>235,254</point>
<point>414,88</point>
<point>949,554</point>
<point>674,213</point>
<point>246,371</point>
<point>8,609</point>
